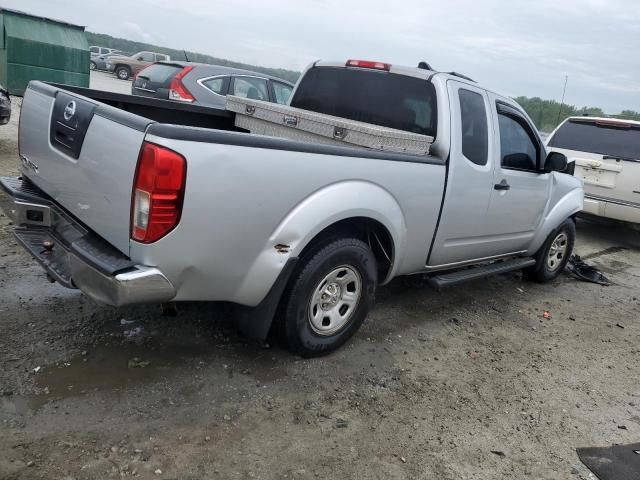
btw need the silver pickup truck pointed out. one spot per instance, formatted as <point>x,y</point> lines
<point>135,200</point>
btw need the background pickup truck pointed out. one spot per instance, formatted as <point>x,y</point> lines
<point>125,67</point>
<point>128,200</point>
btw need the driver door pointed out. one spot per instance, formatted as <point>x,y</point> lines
<point>521,187</point>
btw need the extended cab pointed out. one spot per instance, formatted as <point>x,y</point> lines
<point>133,209</point>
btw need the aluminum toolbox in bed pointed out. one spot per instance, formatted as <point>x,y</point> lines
<point>276,120</point>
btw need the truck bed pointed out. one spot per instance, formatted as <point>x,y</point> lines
<point>162,111</point>
<point>90,172</point>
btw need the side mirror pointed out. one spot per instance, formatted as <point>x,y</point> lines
<point>556,162</point>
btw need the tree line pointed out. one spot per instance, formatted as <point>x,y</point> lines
<point>132,47</point>
<point>547,114</point>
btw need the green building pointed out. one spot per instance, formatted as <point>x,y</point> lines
<point>37,48</point>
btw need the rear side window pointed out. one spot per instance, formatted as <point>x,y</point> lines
<point>475,132</point>
<point>159,73</point>
<point>381,98</point>
<point>282,92</point>
<point>600,137</point>
<point>251,87</point>
<point>216,85</point>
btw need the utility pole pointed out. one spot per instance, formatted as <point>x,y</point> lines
<point>564,91</point>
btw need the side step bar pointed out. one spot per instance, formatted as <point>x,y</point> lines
<point>473,273</point>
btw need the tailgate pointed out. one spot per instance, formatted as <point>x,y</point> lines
<point>610,179</point>
<point>598,172</point>
<point>83,154</point>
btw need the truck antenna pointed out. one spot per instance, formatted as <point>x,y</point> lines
<point>185,55</point>
<point>566,80</point>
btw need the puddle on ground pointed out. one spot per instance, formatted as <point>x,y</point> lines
<point>143,357</point>
<point>111,367</point>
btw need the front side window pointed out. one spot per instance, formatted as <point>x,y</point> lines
<point>95,50</point>
<point>250,87</point>
<point>145,57</point>
<point>282,92</point>
<point>517,150</point>
<point>475,132</point>
<point>214,84</point>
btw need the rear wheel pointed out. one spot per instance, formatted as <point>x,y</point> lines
<point>330,295</point>
<point>554,254</point>
<point>123,72</point>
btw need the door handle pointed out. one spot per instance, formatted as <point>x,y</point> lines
<point>503,185</point>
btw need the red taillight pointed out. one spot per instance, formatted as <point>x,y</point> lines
<point>157,193</point>
<point>177,90</point>
<point>369,64</point>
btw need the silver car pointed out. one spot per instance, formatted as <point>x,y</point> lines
<point>99,61</point>
<point>207,85</point>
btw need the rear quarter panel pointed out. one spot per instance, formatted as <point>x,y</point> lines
<point>242,201</point>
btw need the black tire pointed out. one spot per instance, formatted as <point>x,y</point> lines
<point>542,271</point>
<point>92,66</point>
<point>351,259</point>
<point>123,72</point>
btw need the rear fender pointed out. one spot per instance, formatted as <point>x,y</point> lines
<point>318,211</point>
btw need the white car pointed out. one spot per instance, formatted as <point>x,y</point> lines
<point>607,159</point>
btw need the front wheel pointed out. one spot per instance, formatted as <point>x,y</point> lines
<point>330,296</point>
<point>554,254</point>
<point>92,65</point>
<point>123,73</point>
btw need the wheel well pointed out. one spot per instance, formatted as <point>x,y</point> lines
<point>370,231</point>
<point>121,65</point>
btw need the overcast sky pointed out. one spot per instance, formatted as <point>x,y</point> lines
<point>517,47</point>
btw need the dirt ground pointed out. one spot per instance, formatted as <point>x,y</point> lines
<point>468,383</point>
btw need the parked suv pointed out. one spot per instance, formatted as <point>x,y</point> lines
<point>607,159</point>
<point>207,85</point>
<point>95,50</point>
<point>125,67</point>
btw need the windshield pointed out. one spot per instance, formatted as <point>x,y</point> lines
<point>382,98</point>
<point>600,137</point>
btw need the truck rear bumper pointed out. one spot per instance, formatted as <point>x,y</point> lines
<point>74,256</point>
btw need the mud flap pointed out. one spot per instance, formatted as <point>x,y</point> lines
<point>255,322</point>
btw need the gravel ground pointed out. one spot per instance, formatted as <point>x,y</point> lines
<point>108,81</point>
<point>471,382</point>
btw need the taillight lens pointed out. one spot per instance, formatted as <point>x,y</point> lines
<point>158,191</point>
<point>177,90</point>
<point>369,64</point>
